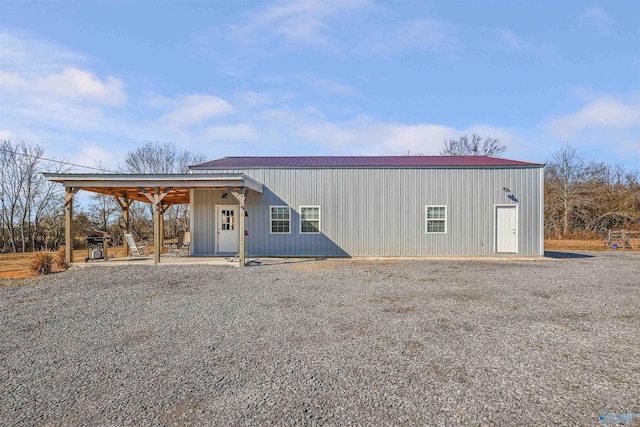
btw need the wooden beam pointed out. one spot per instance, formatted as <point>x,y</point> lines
<point>242,197</point>
<point>162,210</point>
<point>69,193</point>
<point>147,195</point>
<point>157,195</point>
<point>156,229</point>
<point>124,205</point>
<point>68,222</point>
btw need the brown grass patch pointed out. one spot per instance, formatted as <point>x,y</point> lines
<point>574,245</point>
<point>16,266</point>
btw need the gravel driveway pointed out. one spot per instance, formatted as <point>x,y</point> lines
<point>409,342</point>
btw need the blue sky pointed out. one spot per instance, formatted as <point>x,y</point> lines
<point>90,80</point>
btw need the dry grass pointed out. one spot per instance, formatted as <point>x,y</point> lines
<point>573,245</point>
<point>17,266</point>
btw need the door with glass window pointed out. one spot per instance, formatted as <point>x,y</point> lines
<point>227,229</point>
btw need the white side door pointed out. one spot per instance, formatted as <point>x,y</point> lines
<point>227,229</point>
<point>506,229</point>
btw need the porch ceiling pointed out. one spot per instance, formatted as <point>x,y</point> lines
<point>134,186</point>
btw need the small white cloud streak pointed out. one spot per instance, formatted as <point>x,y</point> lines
<point>192,110</point>
<point>421,35</point>
<point>509,38</point>
<point>100,156</point>
<point>238,132</point>
<point>35,57</point>
<point>600,19</point>
<point>297,22</point>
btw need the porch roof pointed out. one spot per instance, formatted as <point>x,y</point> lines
<point>136,186</point>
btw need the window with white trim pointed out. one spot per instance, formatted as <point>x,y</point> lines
<point>280,220</point>
<point>309,219</point>
<point>436,219</point>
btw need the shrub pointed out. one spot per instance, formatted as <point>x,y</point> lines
<point>61,258</point>
<point>42,262</point>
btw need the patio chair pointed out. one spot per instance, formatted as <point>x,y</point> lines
<point>140,248</point>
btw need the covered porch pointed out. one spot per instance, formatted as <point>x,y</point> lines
<point>161,191</point>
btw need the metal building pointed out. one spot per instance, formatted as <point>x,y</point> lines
<point>372,206</point>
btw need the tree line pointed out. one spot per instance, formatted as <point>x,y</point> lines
<point>587,198</point>
<point>583,199</point>
<point>31,208</point>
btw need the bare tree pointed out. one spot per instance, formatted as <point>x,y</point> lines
<point>477,146</point>
<point>103,210</point>
<point>161,158</point>
<point>13,183</point>
<point>571,188</point>
<point>26,198</point>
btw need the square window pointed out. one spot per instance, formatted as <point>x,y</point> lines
<point>309,219</point>
<point>280,220</point>
<point>436,220</point>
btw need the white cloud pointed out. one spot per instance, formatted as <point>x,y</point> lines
<point>296,22</point>
<point>101,157</point>
<point>509,38</point>
<point>598,18</point>
<point>605,127</point>
<point>511,41</point>
<point>604,113</point>
<point>289,131</point>
<point>7,135</point>
<point>239,132</point>
<point>195,109</point>
<point>422,35</point>
<point>322,86</point>
<point>45,94</point>
<point>31,56</point>
<point>70,85</point>
<point>328,86</point>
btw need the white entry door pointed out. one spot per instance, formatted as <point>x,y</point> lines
<point>227,229</point>
<point>506,229</point>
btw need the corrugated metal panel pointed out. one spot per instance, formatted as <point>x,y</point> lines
<point>377,211</point>
<point>203,232</point>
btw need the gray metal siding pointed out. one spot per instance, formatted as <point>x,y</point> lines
<point>203,230</point>
<point>381,211</point>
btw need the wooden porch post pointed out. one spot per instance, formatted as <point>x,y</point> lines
<point>124,205</point>
<point>156,228</point>
<point>242,197</point>
<point>127,227</point>
<point>156,201</point>
<point>162,210</point>
<point>69,192</point>
<point>242,231</point>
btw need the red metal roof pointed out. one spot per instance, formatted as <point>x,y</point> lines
<point>360,161</point>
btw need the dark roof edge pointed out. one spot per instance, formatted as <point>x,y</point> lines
<point>529,165</point>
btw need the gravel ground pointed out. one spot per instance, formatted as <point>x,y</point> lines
<point>337,342</point>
